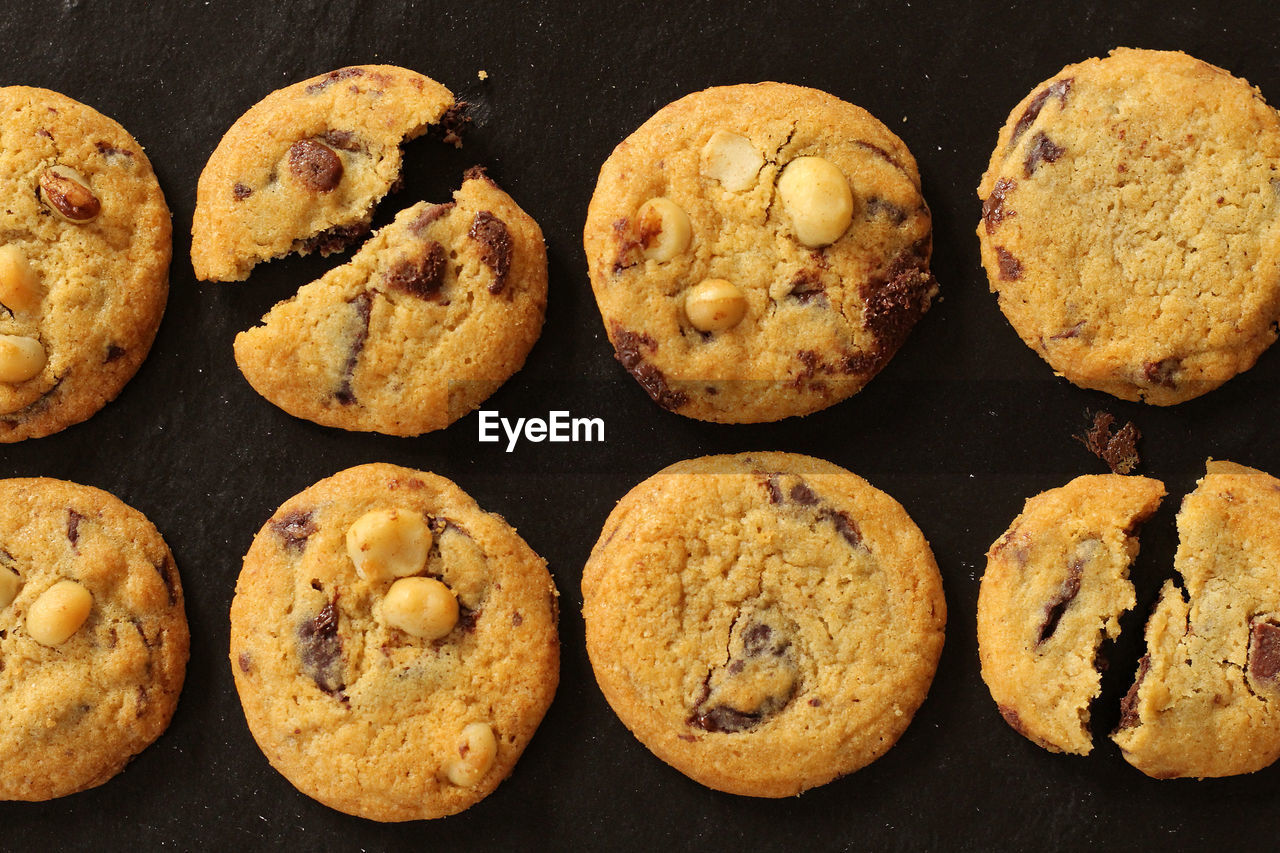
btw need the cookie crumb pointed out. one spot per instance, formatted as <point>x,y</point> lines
<point>482,74</point>
<point>1118,449</point>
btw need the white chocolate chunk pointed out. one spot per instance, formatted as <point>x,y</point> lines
<point>665,229</point>
<point>476,752</point>
<point>817,197</point>
<point>20,289</point>
<point>387,543</point>
<point>715,305</point>
<point>732,160</point>
<point>10,583</point>
<point>423,607</point>
<point>20,358</point>
<point>58,613</point>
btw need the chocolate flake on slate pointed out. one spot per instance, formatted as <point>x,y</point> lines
<point>495,246</point>
<point>628,348</point>
<point>320,649</point>
<point>1118,449</point>
<point>455,122</point>
<point>363,304</point>
<point>294,529</point>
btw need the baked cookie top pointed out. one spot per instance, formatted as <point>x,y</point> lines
<point>302,170</point>
<point>1206,700</point>
<point>432,314</point>
<point>1056,584</point>
<point>1131,224</point>
<point>763,622</point>
<point>93,637</point>
<point>394,646</point>
<point>758,251</point>
<point>84,261</point>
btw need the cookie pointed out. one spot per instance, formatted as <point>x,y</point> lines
<point>1131,224</point>
<point>302,170</point>
<point>1056,584</point>
<point>1206,700</point>
<point>758,251</point>
<point>394,646</point>
<point>84,261</point>
<point>93,637</point>
<point>432,314</point>
<point>763,622</point>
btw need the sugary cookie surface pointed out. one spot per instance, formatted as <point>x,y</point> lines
<point>394,646</point>
<point>302,170</point>
<point>758,251</point>
<point>1131,224</point>
<point>93,637</point>
<point>763,622</point>
<point>432,314</point>
<point>84,261</point>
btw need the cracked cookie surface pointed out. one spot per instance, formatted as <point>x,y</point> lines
<point>1055,586</point>
<point>433,313</point>
<point>89,294</point>
<point>763,622</point>
<point>1131,224</point>
<point>804,215</point>
<point>75,709</point>
<point>302,170</point>
<point>350,705</point>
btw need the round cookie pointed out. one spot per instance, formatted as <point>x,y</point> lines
<point>1131,224</point>
<point>758,251</point>
<point>432,314</point>
<point>1206,700</point>
<point>84,261</point>
<point>302,170</point>
<point>1056,584</point>
<point>405,687</point>
<point>763,622</point>
<point>93,637</point>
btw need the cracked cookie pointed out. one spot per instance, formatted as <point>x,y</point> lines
<point>764,622</point>
<point>432,314</point>
<point>1056,584</point>
<point>394,646</point>
<point>84,261</point>
<point>302,170</point>
<point>1131,224</point>
<point>1206,699</point>
<point>93,637</point>
<point>758,251</point>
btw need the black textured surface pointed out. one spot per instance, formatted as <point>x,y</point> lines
<point>962,426</point>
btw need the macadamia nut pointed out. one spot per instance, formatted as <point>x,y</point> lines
<point>423,607</point>
<point>732,160</point>
<point>476,752</point>
<point>58,613</point>
<point>387,543</point>
<point>817,197</point>
<point>20,289</point>
<point>20,358</point>
<point>665,229</point>
<point>715,305</point>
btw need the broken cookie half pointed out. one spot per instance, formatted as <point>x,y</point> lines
<point>302,170</point>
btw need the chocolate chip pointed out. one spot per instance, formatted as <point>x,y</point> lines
<point>771,488</point>
<point>994,210</point>
<point>1011,717</point>
<point>315,165</point>
<point>516,619</point>
<point>246,663</point>
<point>1042,150</point>
<point>1057,89</point>
<point>1264,652</point>
<point>630,245</point>
<point>807,286</point>
<point>294,528</point>
<point>113,352</point>
<point>1162,372</point>
<point>169,575</point>
<point>879,152</point>
<point>1073,332</point>
<point>1066,594</point>
<point>757,651</point>
<point>334,239</point>
<point>73,526</point>
<point>333,77</point>
<point>320,649</point>
<point>810,359</point>
<point>628,350</point>
<point>363,305</point>
<point>877,206</point>
<point>844,525</point>
<point>106,149</point>
<point>1010,267</point>
<point>431,214</point>
<point>495,246</point>
<point>421,276</point>
<point>1129,704</point>
<point>477,173</point>
<point>455,122</point>
<point>345,140</point>
<point>803,495</point>
<point>895,301</point>
<point>466,618</point>
<point>756,638</point>
<point>1119,449</point>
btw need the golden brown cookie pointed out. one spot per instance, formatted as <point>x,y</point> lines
<point>763,622</point>
<point>394,646</point>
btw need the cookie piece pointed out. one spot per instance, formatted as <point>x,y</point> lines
<point>1131,224</point>
<point>758,251</point>
<point>394,646</point>
<point>763,622</point>
<point>432,314</point>
<point>93,637</point>
<point>1056,584</point>
<point>302,170</point>
<point>1206,700</point>
<point>84,261</point>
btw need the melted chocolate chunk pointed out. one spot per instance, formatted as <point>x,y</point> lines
<point>1129,704</point>
<point>772,489</point>
<point>1119,449</point>
<point>803,495</point>
<point>346,140</point>
<point>806,287</point>
<point>320,649</point>
<point>334,239</point>
<point>467,618</point>
<point>879,152</point>
<point>113,352</point>
<point>106,149</point>
<point>1010,267</point>
<point>240,192</point>
<point>630,243</point>
<point>1057,89</point>
<point>246,663</point>
<point>1162,372</point>
<point>628,348</point>
<point>1058,604</point>
<point>333,77</point>
<point>811,360</point>
<point>168,573</point>
<point>431,214</point>
<point>363,305</point>
<point>495,246</point>
<point>73,527</point>
<point>1264,652</point>
<point>1042,150</point>
<point>896,302</point>
<point>1011,717</point>
<point>294,529</point>
<point>879,207</point>
<point>994,210</point>
<point>315,165</point>
<point>757,653</point>
<point>455,122</point>
<point>422,276</point>
<point>844,525</point>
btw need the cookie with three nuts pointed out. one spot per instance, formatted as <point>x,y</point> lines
<point>394,645</point>
<point>758,251</point>
<point>84,261</point>
<point>93,637</point>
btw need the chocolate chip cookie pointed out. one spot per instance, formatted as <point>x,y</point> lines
<point>1206,700</point>
<point>93,637</point>
<point>394,646</point>
<point>758,251</point>
<point>1056,584</point>
<point>1131,224</point>
<point>84,261</point>
<point>302,170</point>
<point>432,314</point>
<point>763,622</point>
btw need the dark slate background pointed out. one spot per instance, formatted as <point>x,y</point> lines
<point>962,426</point>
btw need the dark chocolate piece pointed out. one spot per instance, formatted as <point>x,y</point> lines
<point>333,77</point>
<point>320,649</point>
<point>1010,267</point>
<point>1129,704</point>
<point>1057,89</point>
<point>168,573</point>
<point>315,165</point>
<point>1011,717</point>
<point>106,149</point>
<point>877,206</point>
<point>1058,604</point>
<point>628,348</point>
<point>1264,652</point>
<point>363,305</point>
<point>495,246</point>
<point>431,214</point>
<point>1042,150</point>
<point>761,646</point>
<point>1119,449</point>
<point>895,302</point>
<point>346,140</point>
<point>994,210</point>
<point>73,527</point>
<point>422,276</point>
<point>246,663</point>
<point>334,239</point>
<point>113,352</point>
<point>1162,372</point>
<point>807,286</point>
<point>294,528</point>
<point>240,192</point>
<point>455,122</point>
